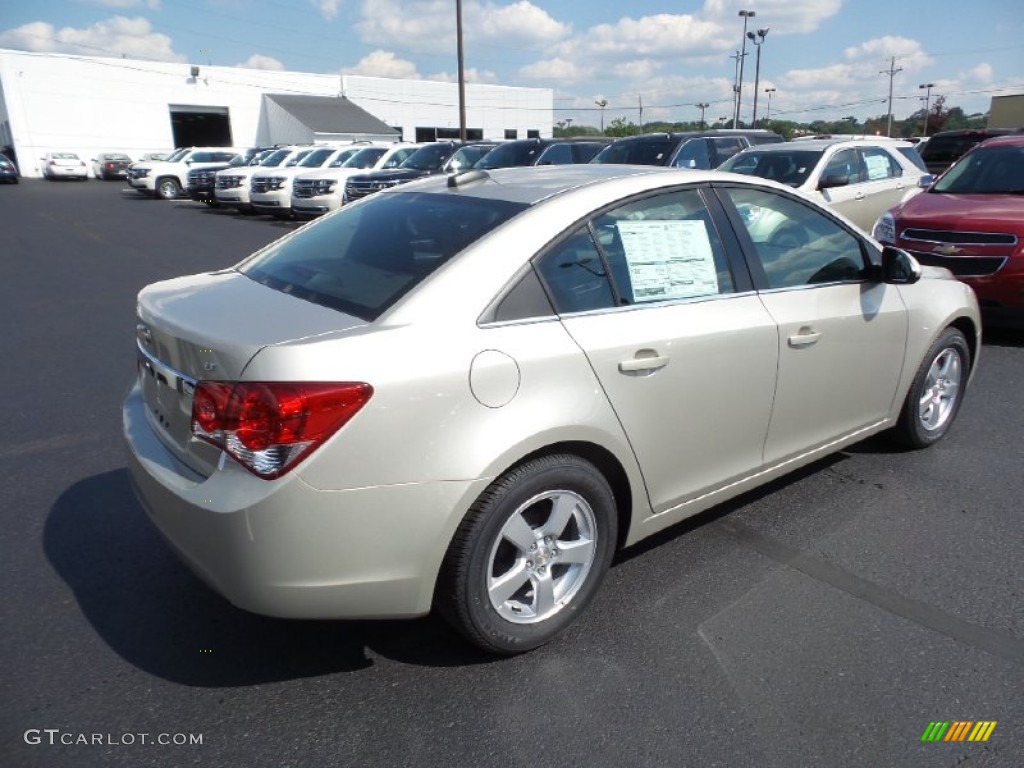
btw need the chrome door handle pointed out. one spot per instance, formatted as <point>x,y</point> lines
<point>643,364</point>
<point>859,196</point>
<point>804,338</point>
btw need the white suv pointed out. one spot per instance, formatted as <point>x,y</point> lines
<point>166,179</point>
<point>270,191</point>
<point>323,191</point>
<point>860,178</point>
<point>231,186</point>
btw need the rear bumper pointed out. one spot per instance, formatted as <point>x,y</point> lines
<point>282,548</point>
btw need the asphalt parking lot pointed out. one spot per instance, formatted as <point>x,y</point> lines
<point>825,620</point>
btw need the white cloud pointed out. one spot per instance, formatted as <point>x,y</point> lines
<point>472,75</point>
<point>259,61</point>
<point>637,70</point>
<point>562,70</point>
<point>428,26</point>
<point>383,64</point>
<point>909,53</point>
<point>151,4</point>
<point>983,73</point>
<point>118,35</point>
<point>661,35</point>
<point>783,16</point>
<point>327,8</point>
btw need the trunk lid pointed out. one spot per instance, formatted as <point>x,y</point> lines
<point>209,327</point>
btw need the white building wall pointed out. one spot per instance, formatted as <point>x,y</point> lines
<point>90,104</point>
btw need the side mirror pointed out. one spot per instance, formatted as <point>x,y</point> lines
<point>899,267</point>
<point>926,181</point>
<point>834,180</point>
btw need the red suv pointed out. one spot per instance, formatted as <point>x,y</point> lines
<point>971,221</point>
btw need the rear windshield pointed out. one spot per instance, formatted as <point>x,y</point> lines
<point>511,155</point>
<point>948,149</point>
<point>653,151</point>
<point>790,167</point>
<point>364,258</point>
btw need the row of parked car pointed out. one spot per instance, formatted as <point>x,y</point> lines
<point>874,182</point>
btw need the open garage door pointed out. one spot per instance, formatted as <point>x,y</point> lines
<point>200,126</point>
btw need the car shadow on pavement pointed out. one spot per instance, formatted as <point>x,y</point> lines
<point>1002,337</point>
<point>156,615</point>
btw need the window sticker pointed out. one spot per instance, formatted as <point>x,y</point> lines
<point>668,259</point>
<point>878,167</point>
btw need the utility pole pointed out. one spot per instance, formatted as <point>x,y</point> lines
<point>757,38</point>
<point>640,101</point>
<point>702,106</point>
<point>462,72</point>
<point>747,16</point>
<point>736,89</point>
<point>927,103</point>
<point>891,72</point>
<point>602,103</point>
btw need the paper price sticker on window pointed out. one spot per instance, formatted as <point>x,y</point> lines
<point>668,259</point>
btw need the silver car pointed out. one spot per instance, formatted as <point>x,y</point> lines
<point>467,393</point>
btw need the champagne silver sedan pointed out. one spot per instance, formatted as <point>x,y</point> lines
<point>466,394</point>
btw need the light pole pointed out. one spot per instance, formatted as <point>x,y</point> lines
<point>602,103</point>
<point>702,106</point>
<point>769,91</point>
<point>747,15</point>
<point>757,38</point>
<point>927,103</point>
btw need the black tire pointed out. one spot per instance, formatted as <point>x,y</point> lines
<point>936,393</point>
<point>167,188</point>
<point>570,556</point>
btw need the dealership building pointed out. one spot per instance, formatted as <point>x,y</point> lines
<point>86,104</point>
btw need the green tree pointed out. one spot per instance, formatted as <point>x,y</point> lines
<point>620,126</point>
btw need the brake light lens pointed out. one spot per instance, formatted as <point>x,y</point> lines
<point>269,427</point>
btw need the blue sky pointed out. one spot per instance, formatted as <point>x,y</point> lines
<point>825,58</point>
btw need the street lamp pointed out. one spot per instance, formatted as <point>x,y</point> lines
<point>768,116</point>
<point>927,103</point>
<point>602,103</point>
<point>743,54</point>
<point>702,106</point>
<point>757,38</point>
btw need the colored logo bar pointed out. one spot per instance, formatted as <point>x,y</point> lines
<point>959,730</point>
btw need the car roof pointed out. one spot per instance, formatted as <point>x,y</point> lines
<point>532,184</point>
<point>977,132</point>
<point>822,144</point>
<point>1010,140</point>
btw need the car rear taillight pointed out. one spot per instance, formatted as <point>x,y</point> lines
<point>269,427</point>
